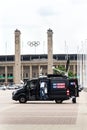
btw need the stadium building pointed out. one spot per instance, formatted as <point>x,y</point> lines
<point>14,68</point>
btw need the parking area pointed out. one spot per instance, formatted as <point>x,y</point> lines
<point>34,115</point>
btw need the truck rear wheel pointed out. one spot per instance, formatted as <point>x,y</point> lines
<point>74,100</point>
<point>58,101</point>
<point>22,99</point>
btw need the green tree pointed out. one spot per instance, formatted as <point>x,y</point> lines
<point>71,74</point>
<point>61,69</point>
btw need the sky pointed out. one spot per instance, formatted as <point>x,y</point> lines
<point>67,19</point>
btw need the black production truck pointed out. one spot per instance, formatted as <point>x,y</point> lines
<point>59,88</point>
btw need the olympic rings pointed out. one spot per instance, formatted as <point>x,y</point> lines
<point>33,43</point>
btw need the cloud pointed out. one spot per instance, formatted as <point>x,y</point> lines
<point>47,11</point>
<point>67,19</point>
<point>79,2</point>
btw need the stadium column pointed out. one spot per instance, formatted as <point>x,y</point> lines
<point>50,50</point>
<point>74,69</point>
<point>22,72</point>
<point>39,70</point>
<point>17,72</point>
<point>30,72</point>
<point>6,74</point>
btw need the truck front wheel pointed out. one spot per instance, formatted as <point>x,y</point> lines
<point>22,99</point>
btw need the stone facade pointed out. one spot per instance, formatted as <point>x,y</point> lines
<point>31,68</point>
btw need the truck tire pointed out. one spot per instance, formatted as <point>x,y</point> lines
<point>22,99</point>
<point>74,100</point>
<point>58,101</point>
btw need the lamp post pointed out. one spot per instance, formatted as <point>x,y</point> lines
<point>33,44</point>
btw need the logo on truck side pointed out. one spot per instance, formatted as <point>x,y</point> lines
<point>58,85</point>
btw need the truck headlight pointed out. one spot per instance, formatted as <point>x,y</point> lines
<point>14,92</point>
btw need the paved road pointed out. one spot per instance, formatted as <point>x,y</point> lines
<point>42,115</point>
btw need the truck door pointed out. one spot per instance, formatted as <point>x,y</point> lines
<point>32,89</point>
<point>73,87</point>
